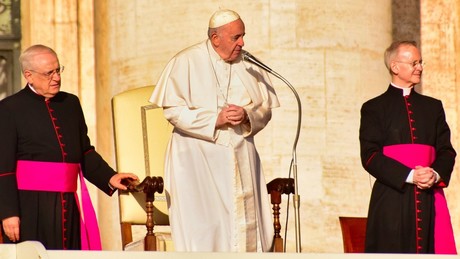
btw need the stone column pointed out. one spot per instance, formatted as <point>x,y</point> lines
<point>406,19</point>
<point>105,73</point>
<point>440,41</point>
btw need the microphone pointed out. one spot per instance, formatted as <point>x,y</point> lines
<point>250,58</point>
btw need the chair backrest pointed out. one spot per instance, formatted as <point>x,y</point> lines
<point>141,136</point>
<point>353,233</point>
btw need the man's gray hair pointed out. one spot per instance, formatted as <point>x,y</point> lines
<point>392,51</point>
<point>25,60</point>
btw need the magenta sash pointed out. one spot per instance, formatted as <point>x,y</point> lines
<point>62,177</point>
<point>412,155</point>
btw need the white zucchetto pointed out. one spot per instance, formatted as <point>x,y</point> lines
<point>222,17</point>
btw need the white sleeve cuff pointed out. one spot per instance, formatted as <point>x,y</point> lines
<point>410,177</point>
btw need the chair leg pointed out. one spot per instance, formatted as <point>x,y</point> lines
<point>276,200</point>
<point>126,234</point>
<point>278,245</point>
<point>152,186</point>
<point>150,243</point>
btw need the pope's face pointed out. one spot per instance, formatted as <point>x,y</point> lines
<point>407,67</point>
<point>228,41</point>
<point>44,76</point>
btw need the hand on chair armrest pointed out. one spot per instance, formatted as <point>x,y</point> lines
<point>121,180</point>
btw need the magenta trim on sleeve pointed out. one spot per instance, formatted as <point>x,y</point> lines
<point>62,177</point>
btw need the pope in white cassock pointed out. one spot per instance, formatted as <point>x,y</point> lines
<point>216,102</point>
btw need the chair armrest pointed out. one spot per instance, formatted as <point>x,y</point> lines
<point>149,186</point>
<point>276,188</point>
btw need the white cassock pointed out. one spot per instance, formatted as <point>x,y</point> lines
<point>214,182</point>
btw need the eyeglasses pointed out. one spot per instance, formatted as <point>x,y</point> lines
<point>414,64</point>
<point>51,73</point>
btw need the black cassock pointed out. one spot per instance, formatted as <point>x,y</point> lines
<point>391,119</point>
<point>48,131</point>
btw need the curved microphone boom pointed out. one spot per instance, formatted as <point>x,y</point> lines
<point>250,58</point>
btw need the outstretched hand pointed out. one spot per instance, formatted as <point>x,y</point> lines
<point>116,180</point>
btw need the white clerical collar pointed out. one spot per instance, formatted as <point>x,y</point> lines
<point>406,90</point>
<point>32,88</point>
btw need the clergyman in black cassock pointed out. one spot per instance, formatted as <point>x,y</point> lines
<point>401,216</point>
<point>44,128</point>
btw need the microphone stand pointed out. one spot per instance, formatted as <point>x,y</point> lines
<point>296,198</point>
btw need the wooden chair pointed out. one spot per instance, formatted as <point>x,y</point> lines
<point>353,233</point>
<point>141,136</point>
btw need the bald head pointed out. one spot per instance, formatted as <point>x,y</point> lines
<point>26,60</point>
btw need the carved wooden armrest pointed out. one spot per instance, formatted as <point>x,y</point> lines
<point>276,188</point>
<point>149,186</point>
